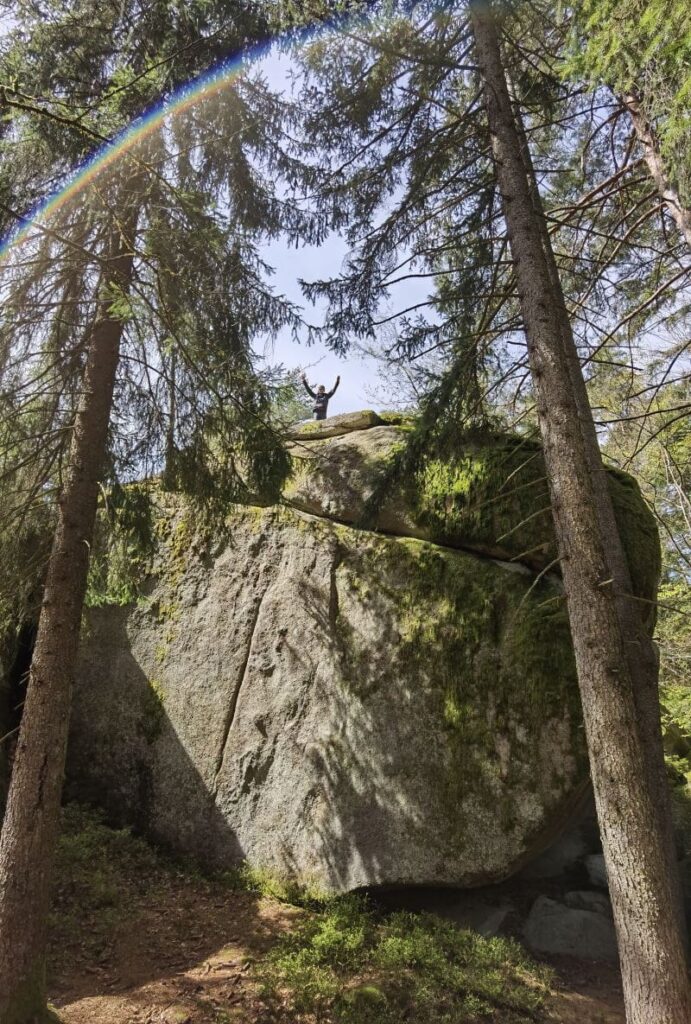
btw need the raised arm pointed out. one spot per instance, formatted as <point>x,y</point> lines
<point>333,390</point>
<point>308,389</point>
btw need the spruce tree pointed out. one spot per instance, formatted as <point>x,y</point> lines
<point>156,263</point>
<point>642,51</point>
<point>644,898</point>
<point>413,185</point>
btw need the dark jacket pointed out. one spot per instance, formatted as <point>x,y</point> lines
<point>321,402</point>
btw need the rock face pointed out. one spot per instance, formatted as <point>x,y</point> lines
<point>338,707</point>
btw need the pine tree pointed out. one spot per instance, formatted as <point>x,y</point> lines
<point>156,262</point>
<point>642,50</point>
<point>651,946</point>
<point>412,186</point>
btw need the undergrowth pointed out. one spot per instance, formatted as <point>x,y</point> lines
<point>100,871</point>
<point>341,964</point>
<point>346,965</point>
<point>245,878</point>
<point>676,723</point>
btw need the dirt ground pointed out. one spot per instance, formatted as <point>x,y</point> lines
<point>185,951</point>
<point>183,957</point>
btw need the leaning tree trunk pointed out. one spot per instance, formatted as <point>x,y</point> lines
<point>651,948</point>
<point>31,820</point>
<point>635,617</point>
<point>669,193</point>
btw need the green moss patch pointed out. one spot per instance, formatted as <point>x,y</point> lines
<point>492,493</point>
<point>490,652</point>
<point>348,966</point>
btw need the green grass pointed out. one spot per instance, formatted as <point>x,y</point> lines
<point>341,964</point>
<point>245,878</point>
<point>348,966</point>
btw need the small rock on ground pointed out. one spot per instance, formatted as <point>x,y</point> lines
<point>588,900</point>
<point>556,929</point>
<point>597,872</point>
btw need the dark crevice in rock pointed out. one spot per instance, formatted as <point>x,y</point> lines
<point>484,554</point>
<point>12,694</point>
<point>333,587</point>
<point>232,707</point>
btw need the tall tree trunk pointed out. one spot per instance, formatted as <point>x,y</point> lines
<point>653,158</point>
<point>651,948</point>
<point>30,827</point>
<point>635,618</point>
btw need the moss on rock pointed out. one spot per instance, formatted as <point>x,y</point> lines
<point>493,494</point>
<point>485,492</point>
<point>346,706</point>
<point>495,657</point>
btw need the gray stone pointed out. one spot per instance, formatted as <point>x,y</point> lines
<point>339,707</point>
<point>560,857</point>
<point>461,501</point>
<point>597,872</point>
<point>335,426</point>
<point>555,929</point>
<point>322,701</point>
<point>586,899</point>
<point>336,476</point>
<point>478,917</point>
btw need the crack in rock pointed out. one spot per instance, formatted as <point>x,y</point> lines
<point>232,708</point>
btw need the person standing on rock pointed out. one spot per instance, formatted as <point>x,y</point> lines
<point>321,396</point>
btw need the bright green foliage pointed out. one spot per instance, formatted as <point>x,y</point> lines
<point>123,545</point>
<point>188,382</point>
<point>350,966</point>
<point>257,880</point>
<point>676,722</point>
<point>656,447</point>
<point>290,404</point>
<point>489,491</point>
<point>643,46</point>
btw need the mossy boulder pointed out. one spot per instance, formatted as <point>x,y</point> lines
<point>334,426</point>
<point>488,494</point>
<point>340,706</point>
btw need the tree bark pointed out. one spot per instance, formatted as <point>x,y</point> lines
<point>651,150</point>
<point>651,948</point>
<point>30,827</point>
<point>635,618</point>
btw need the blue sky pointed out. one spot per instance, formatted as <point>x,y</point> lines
<point>321,365</point>
<point>309,262</point>
<point>357,372</point>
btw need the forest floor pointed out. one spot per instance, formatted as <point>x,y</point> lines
<point>139,940</point>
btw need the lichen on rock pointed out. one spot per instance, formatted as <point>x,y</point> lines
<point>346,707</point>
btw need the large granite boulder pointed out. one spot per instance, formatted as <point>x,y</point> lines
<point>488,493</point>
<point>336,706</point>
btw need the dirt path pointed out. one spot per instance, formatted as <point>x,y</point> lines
<point>184,955</point>
<point>136,940</point>
<point>586,993</point>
